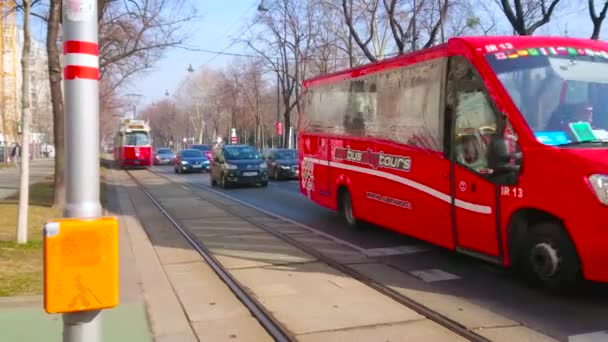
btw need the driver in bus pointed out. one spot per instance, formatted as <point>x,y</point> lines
<point>470,152</point>
<point>570,113</point>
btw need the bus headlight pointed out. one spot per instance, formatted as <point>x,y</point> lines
<point>599,184</point>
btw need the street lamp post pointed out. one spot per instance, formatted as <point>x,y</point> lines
<point>190,70</point>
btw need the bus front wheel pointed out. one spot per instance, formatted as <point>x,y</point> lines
<point>549,258</point>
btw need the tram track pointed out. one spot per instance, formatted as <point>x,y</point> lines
<point>267,320</point>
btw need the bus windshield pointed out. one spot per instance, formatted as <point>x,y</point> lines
<point>136,139</point>
<point>559,91</point>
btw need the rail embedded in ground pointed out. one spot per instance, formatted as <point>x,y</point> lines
<point>274,328</point>
<point>385,290</point>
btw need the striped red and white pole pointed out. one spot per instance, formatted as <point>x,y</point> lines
<point>81,108</point>
<point>81,60</point>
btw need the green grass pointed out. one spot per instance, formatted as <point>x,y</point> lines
<point>4,165</point>
<point>21,265</point>
<point>20,268</point>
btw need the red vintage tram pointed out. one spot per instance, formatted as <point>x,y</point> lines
<point>132,144</point>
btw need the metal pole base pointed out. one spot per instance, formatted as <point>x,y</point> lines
<point>82,326</point>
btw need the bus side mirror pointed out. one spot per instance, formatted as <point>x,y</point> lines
<point>501,160</point>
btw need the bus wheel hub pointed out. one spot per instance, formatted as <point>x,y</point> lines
<point>545,259</point>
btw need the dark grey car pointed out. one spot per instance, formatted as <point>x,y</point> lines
<point>282,163</point>
<point>236,165</point>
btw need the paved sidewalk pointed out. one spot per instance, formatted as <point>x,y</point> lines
<point>9,178</point>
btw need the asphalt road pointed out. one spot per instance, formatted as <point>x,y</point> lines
<point>491,288</point>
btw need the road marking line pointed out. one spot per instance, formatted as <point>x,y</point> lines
<point>399,250</point>
<point>433,274</point>
<point>598,336</point>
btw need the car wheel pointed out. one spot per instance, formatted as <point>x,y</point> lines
<point>346,208</point>
<point>549,258</point>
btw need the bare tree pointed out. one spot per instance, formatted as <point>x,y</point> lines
<point>25,134</point>
<point>363,17</point>
<point>286,44</point>
<point>597,19</point>
<point>252,89</point>
<point>529,15</point>
<point>132,36</point>
<point>405,23</point>
<point>52,49</point>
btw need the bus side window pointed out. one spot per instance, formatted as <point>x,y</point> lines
<point>474,119</point>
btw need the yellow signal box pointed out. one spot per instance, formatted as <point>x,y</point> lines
<point>80,264</point>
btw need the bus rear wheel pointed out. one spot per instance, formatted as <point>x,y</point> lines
<point>346,209</point>
<point>550,259</point>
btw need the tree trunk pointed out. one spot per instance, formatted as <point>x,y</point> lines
<point>56,101</point>
<point>24,195</point>
<point>287,121</point>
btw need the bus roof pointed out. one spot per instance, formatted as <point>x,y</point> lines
<point>478,45</point>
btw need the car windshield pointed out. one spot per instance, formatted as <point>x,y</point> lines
<point>192,154</point>
<point>285,154</point>
<point>559,91</point>
<point>136,139</point>
<point>164,151</point>
<point>241,153</point>
<point>202,147</point>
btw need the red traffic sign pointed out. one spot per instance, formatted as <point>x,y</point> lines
<point>279,128</point>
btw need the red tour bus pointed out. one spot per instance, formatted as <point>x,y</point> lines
<point>496,147</point>
<point>132,145</point>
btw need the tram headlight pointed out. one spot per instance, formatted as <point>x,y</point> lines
<point>599,185</point>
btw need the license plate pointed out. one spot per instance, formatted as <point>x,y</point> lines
<point>250,173</point>
<point>196,166</point>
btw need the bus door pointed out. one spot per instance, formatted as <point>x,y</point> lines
<point>473,121</point>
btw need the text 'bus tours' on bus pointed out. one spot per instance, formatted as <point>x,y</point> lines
<point>496,147</point>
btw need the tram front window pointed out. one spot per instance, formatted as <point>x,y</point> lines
<point>136,139</point>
